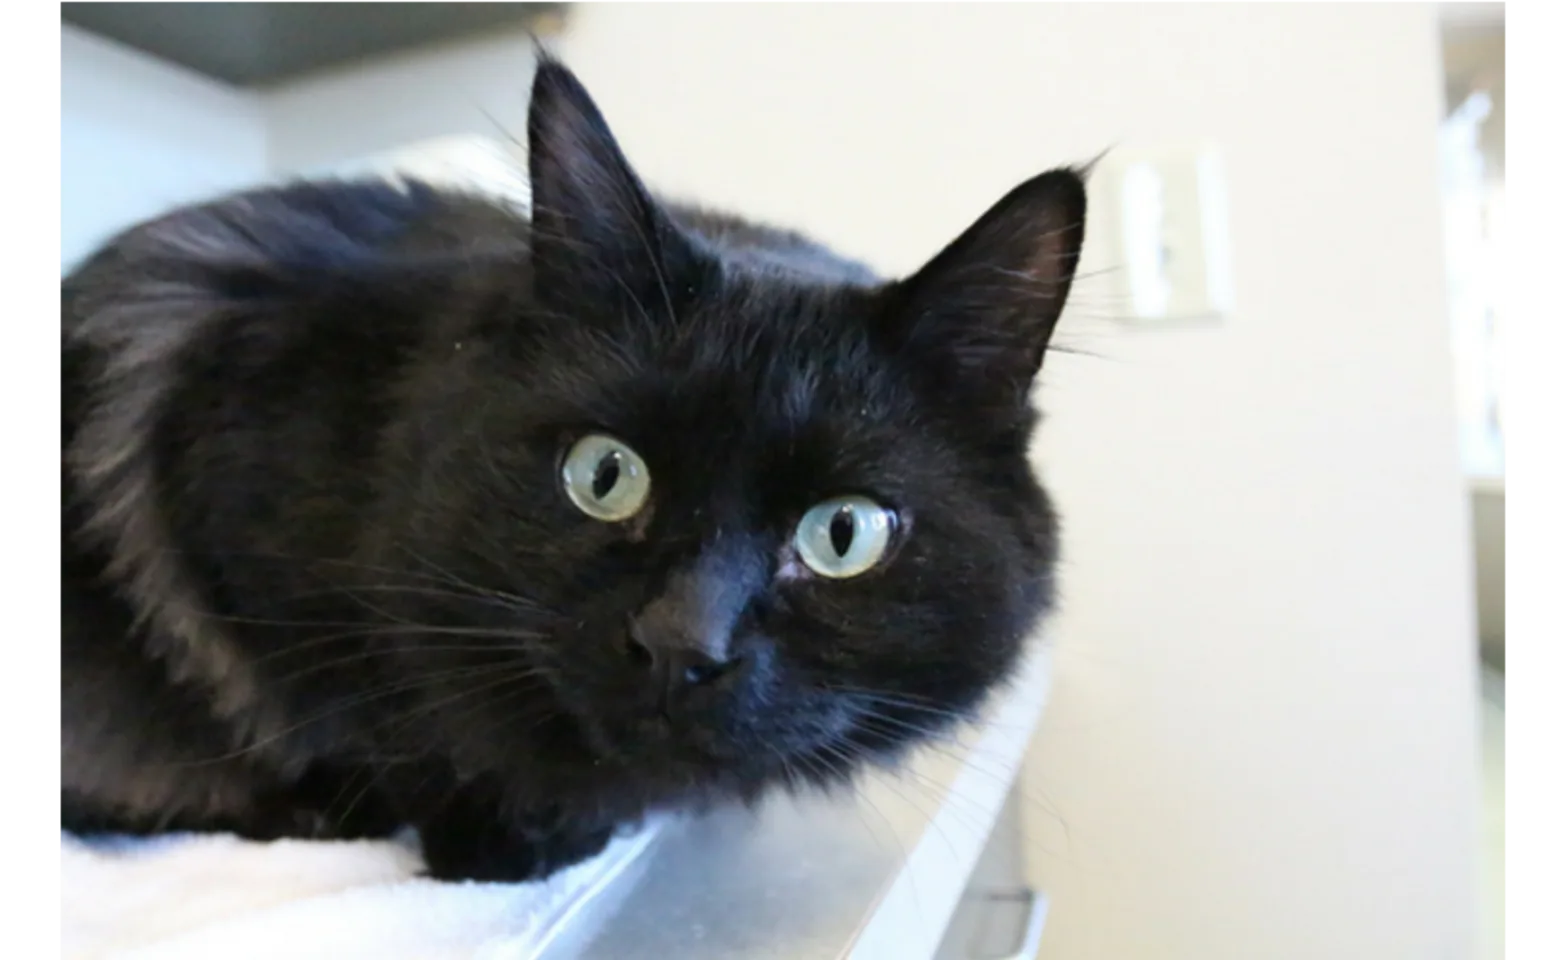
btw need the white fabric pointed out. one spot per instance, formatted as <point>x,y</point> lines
<point>208,897</point>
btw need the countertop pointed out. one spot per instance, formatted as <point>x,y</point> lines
<point>873,874</point>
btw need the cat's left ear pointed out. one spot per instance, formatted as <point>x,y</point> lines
<point>983,310</point>
<point>596,230</point>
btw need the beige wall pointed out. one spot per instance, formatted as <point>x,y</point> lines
<point>1261,744</point>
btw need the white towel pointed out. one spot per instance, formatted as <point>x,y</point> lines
<point>189,897</point>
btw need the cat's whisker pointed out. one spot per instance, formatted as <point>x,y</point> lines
<point>428,709</point>
<point>898,701</point>
<point>971,757</point>
<point>358,700</point>
<point>822,771</point>
<point>874,692</point>
<point>376,775</point>
<point>492,598</point>
<point>901,726</point>
<point>507,724</point>
<point>458,581</point>
<point>852,760</point>
<point>363,631</point>
<point>303,560</point>
<point>958,719</point>
<point>364,656</point>
<point>468,590</point>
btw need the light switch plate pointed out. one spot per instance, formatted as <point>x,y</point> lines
<point>1168,209</point>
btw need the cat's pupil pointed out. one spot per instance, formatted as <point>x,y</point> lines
<point>606,475</point>
<point>842,531</point>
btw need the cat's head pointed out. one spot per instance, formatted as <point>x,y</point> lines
<point>751,510</point>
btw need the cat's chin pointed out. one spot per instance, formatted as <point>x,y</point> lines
<point>655,742</point>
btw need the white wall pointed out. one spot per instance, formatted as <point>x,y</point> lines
<point>1262,740</point>
<point>470,87</point>
<point>138,136</point>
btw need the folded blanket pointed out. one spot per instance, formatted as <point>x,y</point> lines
<point>192,897</point>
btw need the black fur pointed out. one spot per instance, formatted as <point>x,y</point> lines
<point>320,578</point>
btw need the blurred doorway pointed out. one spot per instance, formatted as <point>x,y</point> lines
<point>1472,164</point>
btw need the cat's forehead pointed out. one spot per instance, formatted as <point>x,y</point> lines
<point>771,392</point>
<point>763,373</point>
<point>781,361</point>
<point>780,410</point>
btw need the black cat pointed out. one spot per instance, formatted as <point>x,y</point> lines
<point>384,505</point>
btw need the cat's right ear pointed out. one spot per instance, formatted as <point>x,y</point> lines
<point>597,232</point>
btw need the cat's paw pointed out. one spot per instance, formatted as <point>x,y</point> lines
<point>457,849</point>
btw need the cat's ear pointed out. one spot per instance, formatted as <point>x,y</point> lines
<point>597,231</point>
<point>983,310</point>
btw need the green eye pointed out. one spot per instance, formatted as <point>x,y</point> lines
<point>605,479</point>
<point>844,536</point>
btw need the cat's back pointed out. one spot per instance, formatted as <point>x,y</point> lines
<point>307,294</point>
<point>266,308</point>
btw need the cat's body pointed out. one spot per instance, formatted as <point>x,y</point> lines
<point>321,576</point>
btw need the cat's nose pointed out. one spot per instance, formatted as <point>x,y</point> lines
<point>683,636</point>
<point>676,658</point>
